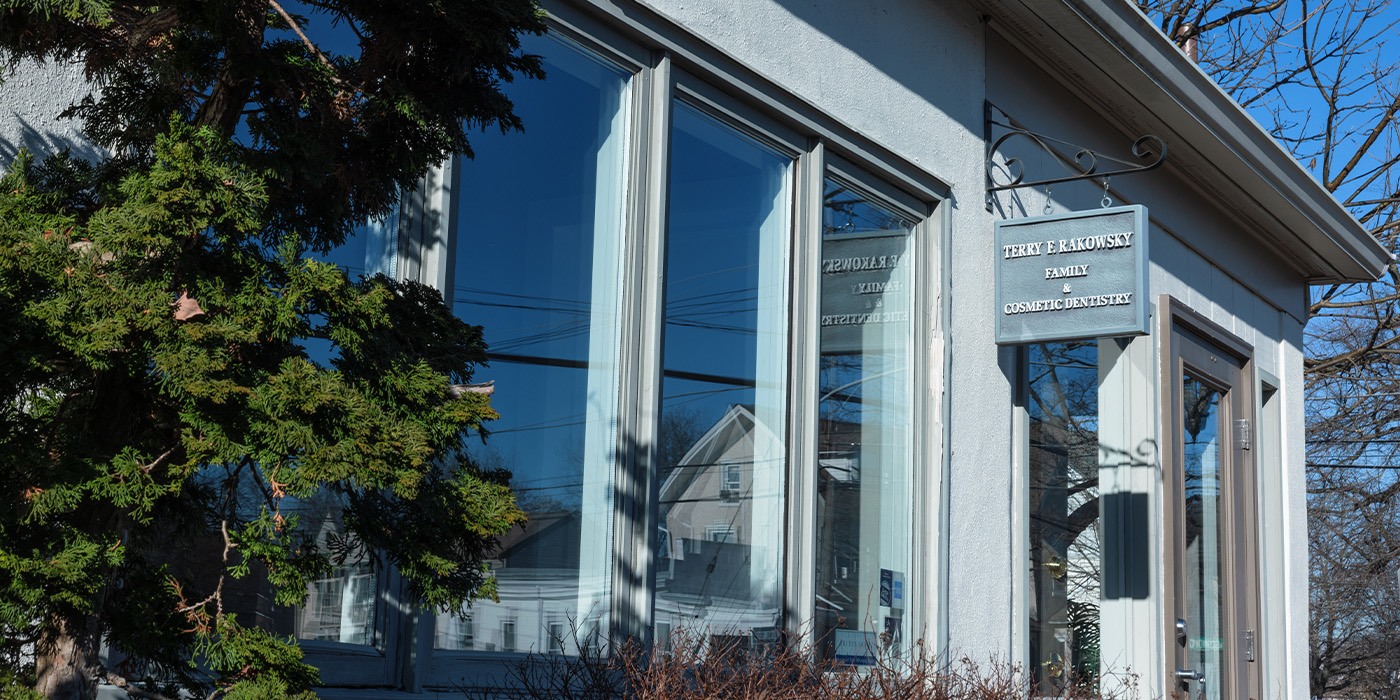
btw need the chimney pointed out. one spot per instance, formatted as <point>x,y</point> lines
<point>1186,39</point>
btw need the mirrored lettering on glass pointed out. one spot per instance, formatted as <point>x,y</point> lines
<point>865,456</point>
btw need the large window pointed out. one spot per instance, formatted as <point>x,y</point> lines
<point>865,459</point>
<point>537,262</point>
<point>701,331</point>
<point>723,398</point>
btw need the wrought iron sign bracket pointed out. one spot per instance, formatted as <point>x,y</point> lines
<point>1149,150</point>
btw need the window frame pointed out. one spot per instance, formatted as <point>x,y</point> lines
<point>480,666</point>
<point>668,63</point>
<point>921,605</point>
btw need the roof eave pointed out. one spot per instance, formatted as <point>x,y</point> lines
<point>1109,52</point>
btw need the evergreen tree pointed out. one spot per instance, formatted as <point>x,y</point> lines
<point>162,424</point>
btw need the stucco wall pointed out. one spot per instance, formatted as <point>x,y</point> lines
<point>876,67</point>
<point>1204,257</point>
<point>31,98</point>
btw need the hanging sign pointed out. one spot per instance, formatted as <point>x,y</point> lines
<point>1072,276</point>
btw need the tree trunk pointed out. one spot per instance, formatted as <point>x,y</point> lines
<point>66,660</point>
<point>223,110</point>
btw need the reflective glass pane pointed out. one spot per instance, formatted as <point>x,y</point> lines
<point>865,462</point>
<point>1205,638</point>
<point>720,441</point>
<point>342,605</point>
<point>371,249</point>
<point>538,236</point>
<point>1065,527</point>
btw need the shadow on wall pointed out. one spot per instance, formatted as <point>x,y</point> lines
<point>20,133</point>
<point>1127,566</point>
<point>902,50</point>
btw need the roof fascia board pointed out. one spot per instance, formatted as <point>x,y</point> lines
<point>1113,39</point>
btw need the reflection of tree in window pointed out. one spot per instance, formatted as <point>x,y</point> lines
<point>1064,513</point>
<point>1201,471</point>
<point>847,211</point>
<point>539,222</point>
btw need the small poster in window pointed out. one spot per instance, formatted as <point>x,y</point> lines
<point>855,647</point>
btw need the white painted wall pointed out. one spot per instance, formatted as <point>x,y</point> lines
<point>31,98</point>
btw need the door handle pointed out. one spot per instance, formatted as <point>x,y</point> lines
<point>1187,674</point>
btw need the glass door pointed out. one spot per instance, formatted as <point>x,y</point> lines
<point>1212,604</point>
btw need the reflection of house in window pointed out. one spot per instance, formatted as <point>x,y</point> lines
<point>456,633</point>
<point>508,635</point>
<point>535,566</point>
<point>732,485</point>
<point>338,607</point>
<point>720,578</point>
<point>720,532</point>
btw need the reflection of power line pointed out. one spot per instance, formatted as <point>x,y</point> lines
<point>537,360</point>
<point>743,330</point>
<point>674,282</point>
<point>559,304</point>
<point>536,426</point>
<point>699,300</point>
<point>674,400</point>
<point>584,364</point>
<point>681,311</point>
<point>571,331</point>
<point>576,486</point>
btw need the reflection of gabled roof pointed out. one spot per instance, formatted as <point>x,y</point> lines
<point>734,426</point>
<point>539,523</point>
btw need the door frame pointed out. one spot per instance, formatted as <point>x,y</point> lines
<point>1179,325</point>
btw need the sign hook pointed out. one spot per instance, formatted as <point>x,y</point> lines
<point>1107,201</point>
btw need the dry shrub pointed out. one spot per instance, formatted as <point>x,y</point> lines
<point>696,667</point>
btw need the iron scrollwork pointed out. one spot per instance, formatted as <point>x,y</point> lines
<point>1086,161</point>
